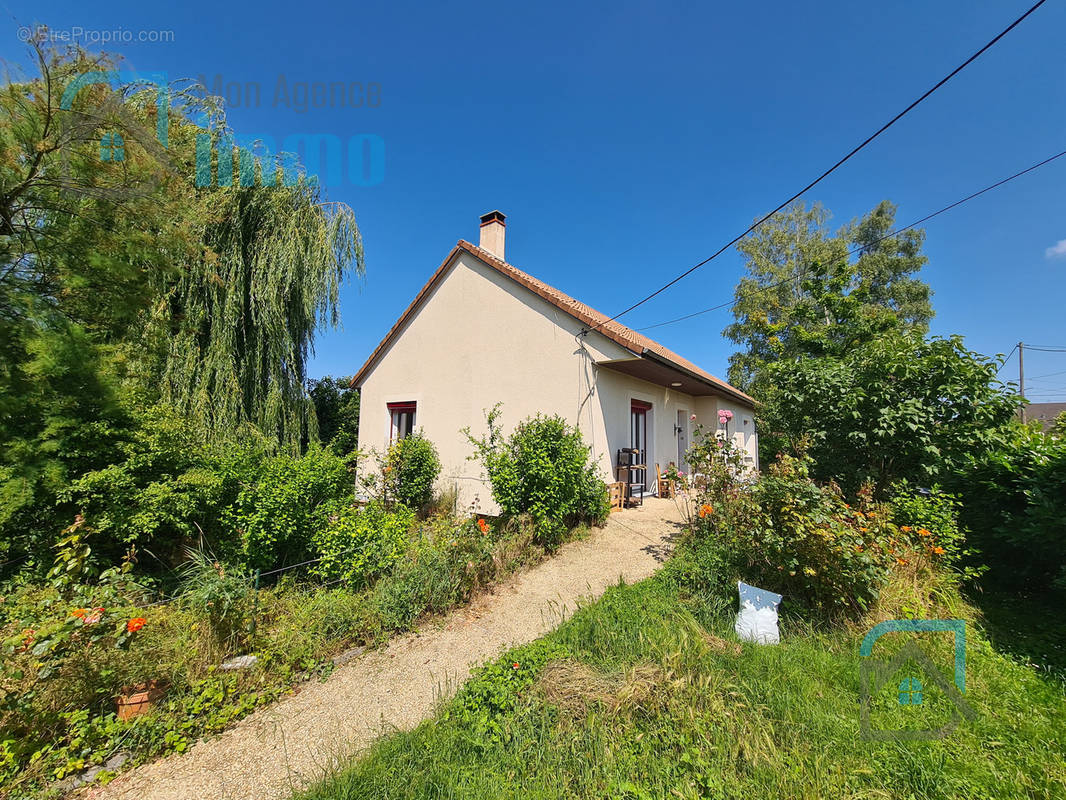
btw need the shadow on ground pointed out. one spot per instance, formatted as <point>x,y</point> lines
<point>1028,627</point>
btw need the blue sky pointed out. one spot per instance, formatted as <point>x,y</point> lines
<point>627,141</point>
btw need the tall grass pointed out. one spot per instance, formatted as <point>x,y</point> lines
<point>652,697</point>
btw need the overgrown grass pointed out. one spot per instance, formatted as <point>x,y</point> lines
<point>647,694</point>
<point>70,721</point>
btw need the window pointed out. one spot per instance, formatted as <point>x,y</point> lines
<point>402,417</point>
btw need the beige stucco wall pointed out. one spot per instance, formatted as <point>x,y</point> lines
<point>480,338</point>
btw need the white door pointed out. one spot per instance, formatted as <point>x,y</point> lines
<point>682,440</point>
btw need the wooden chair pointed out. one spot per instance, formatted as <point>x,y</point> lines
<point>664,486</point>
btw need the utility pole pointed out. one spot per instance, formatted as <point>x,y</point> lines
<point>1021,376</point>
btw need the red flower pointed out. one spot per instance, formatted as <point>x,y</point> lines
<point>483,525</point>
<point>135,624</point>
<point>514,665</point>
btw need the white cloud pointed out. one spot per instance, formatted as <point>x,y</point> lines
<point>1057,251</point>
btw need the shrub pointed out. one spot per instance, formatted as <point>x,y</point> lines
<point>168,491</point>
<point>786,533</point>
<point>545,470</point>
<point>1014,503</point>
<point>357,545</point>
<point>278,515</point>
<point>932,516</point>
<point>411,468</point>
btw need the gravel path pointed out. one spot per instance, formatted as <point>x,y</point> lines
<point>279,749</point>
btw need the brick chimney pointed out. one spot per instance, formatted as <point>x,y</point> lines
<point>493,227</point>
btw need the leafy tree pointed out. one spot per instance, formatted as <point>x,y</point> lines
<point>337,412</point>
<point>805,295</point>
<point>898,407</point>
<point>122,284</point>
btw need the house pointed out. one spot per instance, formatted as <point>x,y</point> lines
<point>482,331</point>
<point>1044,413</point>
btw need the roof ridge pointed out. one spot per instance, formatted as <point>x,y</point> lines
<point>584,313</point>
<point>633,340</point>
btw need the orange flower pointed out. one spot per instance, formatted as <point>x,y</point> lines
<point>864,529</point>
<point>924,532</point>
<point>514,665</point>
<point>483,525</point>
<point>135,624</point>
<point>79,613</point>
<point>906,528</point>
<point>860,514</point>
<point>901,561</point>
<point>938,550</point>
<point>706,510</point>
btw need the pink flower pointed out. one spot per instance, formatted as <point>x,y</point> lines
<point>93,617</point>
<point>693,418</point>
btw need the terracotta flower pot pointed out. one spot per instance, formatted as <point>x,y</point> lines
<point>139,699</point>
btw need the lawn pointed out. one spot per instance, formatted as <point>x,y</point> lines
<point>647,694</point>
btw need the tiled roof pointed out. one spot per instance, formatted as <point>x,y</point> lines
<point>612,329</point>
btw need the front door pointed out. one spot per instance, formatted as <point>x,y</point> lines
<point>638,439</point>
<point>682,440</point>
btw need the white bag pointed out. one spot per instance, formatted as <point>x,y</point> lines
<point>757,620</point>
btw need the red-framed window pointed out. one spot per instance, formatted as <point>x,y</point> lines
<point>402,420</point>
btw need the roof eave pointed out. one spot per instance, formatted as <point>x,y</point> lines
<point>721,388</point>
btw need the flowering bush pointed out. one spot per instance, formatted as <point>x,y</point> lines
<point>786,533</point>
<point>929,520</point>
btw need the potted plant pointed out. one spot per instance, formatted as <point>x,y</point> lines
<point>136,700</point>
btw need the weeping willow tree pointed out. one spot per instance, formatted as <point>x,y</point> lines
<point>241,321</point>
<point>229,339</point>
<point>205,298</point>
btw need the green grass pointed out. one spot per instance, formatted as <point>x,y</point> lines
<point>646,694</point>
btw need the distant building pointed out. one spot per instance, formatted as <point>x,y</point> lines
<point>1044,413</point>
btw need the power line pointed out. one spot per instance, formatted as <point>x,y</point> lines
<point>1048,375</point>
<point>1001,366</point>
<point>896,232</point>
<point>833,168</point>
<point>1046,349</point>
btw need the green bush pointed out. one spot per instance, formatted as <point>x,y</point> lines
<point>167,492</point>
<point>1014,503</point>
<point>356,545</point>
<point>936,513</point>
<point>277,516</point>
<point>411,468</point>
<point>545,470</point>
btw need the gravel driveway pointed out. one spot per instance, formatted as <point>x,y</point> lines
<point>279,749</point>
